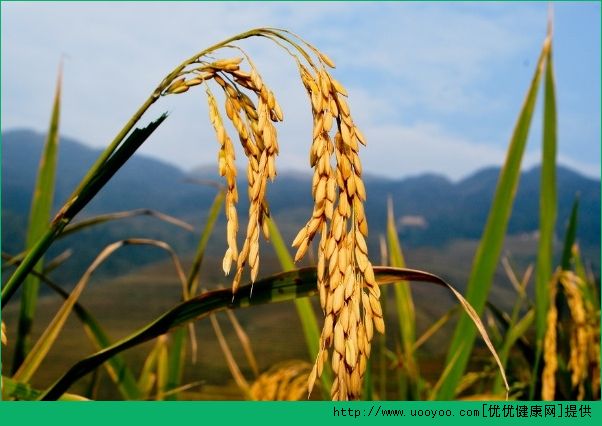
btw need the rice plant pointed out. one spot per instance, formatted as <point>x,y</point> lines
<point>348,286</point>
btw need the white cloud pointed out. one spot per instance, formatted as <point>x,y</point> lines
<point>408,150</point>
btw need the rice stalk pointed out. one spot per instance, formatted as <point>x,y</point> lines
<point>119,150</point>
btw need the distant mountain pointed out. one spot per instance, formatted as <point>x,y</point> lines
<point>431,210</point>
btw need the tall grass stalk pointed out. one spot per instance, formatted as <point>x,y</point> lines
<point>405,312</point>
<point>39,217</point>
<point>489,250</point>
<point>547,210</point>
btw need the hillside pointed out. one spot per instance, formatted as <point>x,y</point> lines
<point>431,210</point>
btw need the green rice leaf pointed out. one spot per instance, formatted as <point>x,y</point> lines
<point>147,378</point>
<point>547,204</point>
<point>513,334</point>
<point>39,218</point>
<point>404,304</point>
<point>570,237</point>
<point>277,288</point>
<point>162,367</point>
<point>490,247</point>
<point>77,202</point>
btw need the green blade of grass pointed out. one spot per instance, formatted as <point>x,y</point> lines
<point>590,285</point>
<point>404,304</point>
<point>517,331</point>
<point>98,220</point>
<point>177,353</point>
<point>50,334</point>
<point>570,237</point>
<point>382,339</point>
<point>77,202</point>
<point>449,366</point>
<point>214,212</point>
<point>39,218</point>
<point>547,207</point>
<point>147,378</point>
<point>305,311</point>
<point>523,343</point>
<point>435,327</point>
<point>488,252</point>
<point>116,367</point>
<point>277,288</point>
<point>162,367</point>
<point>108,217</point>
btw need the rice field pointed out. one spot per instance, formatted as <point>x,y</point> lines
<point>359,333</point>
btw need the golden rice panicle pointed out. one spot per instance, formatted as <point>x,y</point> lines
<point>259,139</point>
<point>227,169</point>
<point>283,382</point>
<point>550,357</point>
<point>579,335</point>
<point>344,270</point>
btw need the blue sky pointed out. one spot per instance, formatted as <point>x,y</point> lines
<point>435,87</point>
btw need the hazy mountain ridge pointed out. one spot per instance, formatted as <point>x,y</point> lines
<point>436,209</point>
